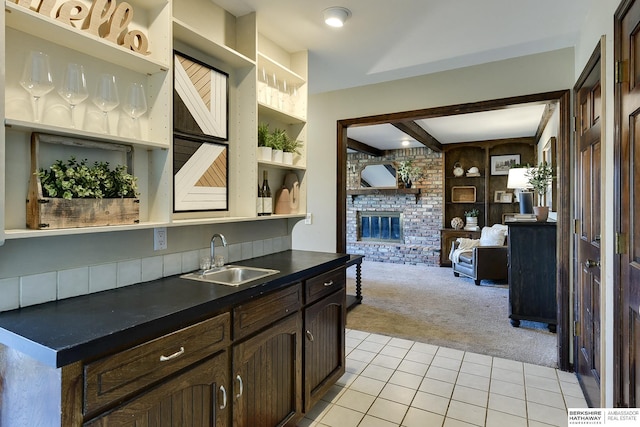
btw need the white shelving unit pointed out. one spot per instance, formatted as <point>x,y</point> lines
<point>198,28</point>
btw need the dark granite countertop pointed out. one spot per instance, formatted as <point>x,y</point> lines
<point>62,332</point>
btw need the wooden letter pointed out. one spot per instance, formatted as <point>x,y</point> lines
<point>101,11</point>
<point>137,42</point>
<point>46,7</point>
<point>72,10</point>
<point>118,22</point>
<point>23,3</point>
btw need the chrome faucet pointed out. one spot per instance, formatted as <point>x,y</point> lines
<point>213,249</point>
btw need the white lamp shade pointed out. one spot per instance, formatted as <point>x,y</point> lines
<point>336,16</point>
<point>518,178</point>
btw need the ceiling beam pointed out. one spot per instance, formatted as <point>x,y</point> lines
<point>414,130</point>
<point>549,109</point>
<point>364,148</point>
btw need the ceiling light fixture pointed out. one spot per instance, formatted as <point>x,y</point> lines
<point>405,143</point>
<point>336,16</point>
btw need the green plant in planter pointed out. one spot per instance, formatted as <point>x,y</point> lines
<point>76,179</point>
<point>263,134</point>
<point>277,138</point>
<point>292,145</point>
<point>540,178</point>
<point>472,213</point>
<point>409,173</point>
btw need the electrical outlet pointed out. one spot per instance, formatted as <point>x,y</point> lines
<point>308,218</point>
<point>159,238</point>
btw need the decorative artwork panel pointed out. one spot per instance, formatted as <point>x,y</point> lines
<point>200,175</point>
<point>200,98</point>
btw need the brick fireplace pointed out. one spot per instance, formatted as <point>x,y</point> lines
<point>398,228</point>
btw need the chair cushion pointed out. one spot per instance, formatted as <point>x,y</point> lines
<point>493,236</point>
<point>466,257</point>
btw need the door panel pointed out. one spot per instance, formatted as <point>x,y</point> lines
<point>587,240</point>
<point>627,162</point>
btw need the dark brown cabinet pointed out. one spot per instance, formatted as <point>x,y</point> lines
<point>267,370</point>
<point>532,273</point>
<point>324,323</point>
<point>196,398</point>
<point>447,237</point>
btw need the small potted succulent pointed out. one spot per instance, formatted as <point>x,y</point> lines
<point>277,140</point>
<point>471,219</point>
<point>264,147</point>
<point>291,146</point>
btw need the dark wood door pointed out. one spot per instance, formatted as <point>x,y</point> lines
<point>627,42</point>
<point>267,375</point>
<point>197,398</point>
<point>587,238</point>
<point>324,323</point>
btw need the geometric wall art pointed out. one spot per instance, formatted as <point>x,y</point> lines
<point>200,175</point>
<point>200,98</point>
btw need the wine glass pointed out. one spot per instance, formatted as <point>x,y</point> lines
<point>106,97</point>
<point>135,105</point>
<point>74,88</point>
<point>36,79</point>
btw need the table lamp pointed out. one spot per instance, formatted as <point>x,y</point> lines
<point>519,181</point>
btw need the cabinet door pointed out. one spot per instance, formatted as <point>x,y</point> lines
<point>197,398</point>
<point>267,376</point>
<point>324,324</point>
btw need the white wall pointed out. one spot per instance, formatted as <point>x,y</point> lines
<point>519,76</point>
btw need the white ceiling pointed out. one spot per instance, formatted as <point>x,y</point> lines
<point>386,40</point>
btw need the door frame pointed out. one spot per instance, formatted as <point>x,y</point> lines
<point>564,229</point>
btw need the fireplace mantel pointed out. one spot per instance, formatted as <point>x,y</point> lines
<point>386,191</point>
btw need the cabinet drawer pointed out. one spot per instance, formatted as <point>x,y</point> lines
<point>324,284</point>
<point>254,315</point>
<point>124,373</point>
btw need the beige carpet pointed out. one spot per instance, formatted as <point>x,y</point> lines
<point>429,304</point>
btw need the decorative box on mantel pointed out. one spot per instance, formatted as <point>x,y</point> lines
<point>53,212</point>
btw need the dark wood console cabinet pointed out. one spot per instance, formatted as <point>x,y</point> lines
<point>532,273</point>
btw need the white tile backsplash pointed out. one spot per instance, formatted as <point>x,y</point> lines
<point>10,291</point>
<point>38,288</point>
<point>151,268</point>
<point>73,282</point>
<point>103,277</point>
<point>129,272</point>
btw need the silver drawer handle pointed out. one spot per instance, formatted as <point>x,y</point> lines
<point>309,335</point>
<point>329,283</point>
<point>172,356</point>
<point>239,378</point>
<point>224,397</point>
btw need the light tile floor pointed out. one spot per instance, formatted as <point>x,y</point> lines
<point>396,382</point>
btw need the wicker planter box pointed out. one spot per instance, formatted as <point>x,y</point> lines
<point>50,213</point>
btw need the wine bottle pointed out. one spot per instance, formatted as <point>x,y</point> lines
<point>260,202</point>
<point>267,202</point>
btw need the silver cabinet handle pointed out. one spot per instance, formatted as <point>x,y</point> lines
<point>239,378</point>
<point>329,283</point>
<point>224,397</point>
<point>309,335</point>
<point>172,356</point>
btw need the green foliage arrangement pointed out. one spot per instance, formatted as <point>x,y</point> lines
<point>408,172</point>
<point>540,177</point>
<point>76,179</point>
<point>472,213</point>
<point>277,139</point>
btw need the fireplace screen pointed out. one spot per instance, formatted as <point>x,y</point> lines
<point>380,226</point>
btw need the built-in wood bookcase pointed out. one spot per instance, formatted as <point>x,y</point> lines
<point>478,154</point>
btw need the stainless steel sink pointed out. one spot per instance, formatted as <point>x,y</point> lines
<point>230,275</point>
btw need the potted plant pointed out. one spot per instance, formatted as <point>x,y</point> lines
<point>264,147</point>
<point>409,173</point>
<point>471,219</point>
<point>290,148</point>
<point>75,194</point>
<point>540,178</point>
<point>277,140</point>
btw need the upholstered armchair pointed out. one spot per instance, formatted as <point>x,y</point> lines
<point>483,259</point>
